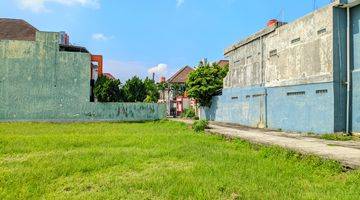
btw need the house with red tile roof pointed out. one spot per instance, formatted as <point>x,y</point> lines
<point>174,96</point>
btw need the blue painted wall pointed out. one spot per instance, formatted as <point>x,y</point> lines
<point>244,106</point>
<point>302,108</point>
<point>355,54</point>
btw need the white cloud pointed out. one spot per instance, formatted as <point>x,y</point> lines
<point>39,6</point>
<point>179,3</point>
<point>101,37</point>
<point>160,69</point>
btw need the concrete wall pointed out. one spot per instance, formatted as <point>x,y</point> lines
<point>355,64</point>
<point>244,106</point>
<point>304,51</point>
<point>297,88</point>
<point>303,54</point>
<point>339,66</point>
<point>39,82</point>
<point>291,108</point>
<point>301,108</point>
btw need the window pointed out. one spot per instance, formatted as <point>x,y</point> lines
<point>248,96</point>
<point>258,95</point>
<point>321,91</point>
<point>234,98</point>
<point>321,31</point>
<point>296,93</point>
<point>273,53</point>
<point>296,40</point>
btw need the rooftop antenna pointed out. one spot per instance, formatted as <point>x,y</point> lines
<point>314,5</point>
<point>281,15</point>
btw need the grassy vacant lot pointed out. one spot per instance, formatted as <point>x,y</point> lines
<point>156,160</point>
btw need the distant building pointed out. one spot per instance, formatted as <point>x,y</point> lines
<point>108,75</point>
<point>223,63</point>
<point>174,96</point>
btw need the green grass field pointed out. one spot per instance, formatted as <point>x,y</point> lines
<point>156,160</point>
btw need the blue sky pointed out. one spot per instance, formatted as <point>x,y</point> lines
<point>136,35</point>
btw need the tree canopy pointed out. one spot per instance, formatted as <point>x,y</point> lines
<point>134,90</point>
<point>107,90</point>
<point>152,91</point>
<point>205,82</point>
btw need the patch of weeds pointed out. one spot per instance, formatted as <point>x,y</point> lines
<point>188,113</point>
<point>332,145</point>
<point>336,137</point>
<point>200,125</point>
<point>311,134</point>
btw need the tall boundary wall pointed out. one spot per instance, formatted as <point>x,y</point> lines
<point>38,82</point>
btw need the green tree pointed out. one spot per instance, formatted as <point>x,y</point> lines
<point>134,90</point>
<point>178,89</point>
<point>152,91</point>
<point>162,87</point>
<point>107,90</point>
<point>205,82</point>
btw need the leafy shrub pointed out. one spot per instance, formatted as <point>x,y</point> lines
<point>188,113</point>
<point>107,90</point>
<point>200,125</point>
<point>203,83</point>
<point>135,90</point>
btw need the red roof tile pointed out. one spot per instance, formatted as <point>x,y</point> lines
<point>110,76</point>
<point>223,63</point>
<point>16,29</point>
<point>181,75</point>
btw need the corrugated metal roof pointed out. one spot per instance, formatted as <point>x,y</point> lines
<point>16,29</point>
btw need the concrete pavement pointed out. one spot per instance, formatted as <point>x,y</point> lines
<point>348,153</point>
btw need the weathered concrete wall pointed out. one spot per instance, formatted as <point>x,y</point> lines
<point>304,51</point>
<point>296,53</point>
<point>245,66</point>
<point>299,67</point>
<point>39,82</point>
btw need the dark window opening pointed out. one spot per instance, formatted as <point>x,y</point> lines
<point>295,40</point>
<point>258,95</point>
<point>234,98</point>
<point>92,96</point>
<point>321,31</point>
<point>295,93</point>
<point>321,91</point>
<point>273,53</point>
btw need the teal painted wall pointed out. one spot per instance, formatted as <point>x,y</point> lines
<point>340,68</point>
<point>39,82</point>
<point>355,55</point>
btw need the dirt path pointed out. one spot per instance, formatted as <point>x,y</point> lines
<point>347,152</point>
